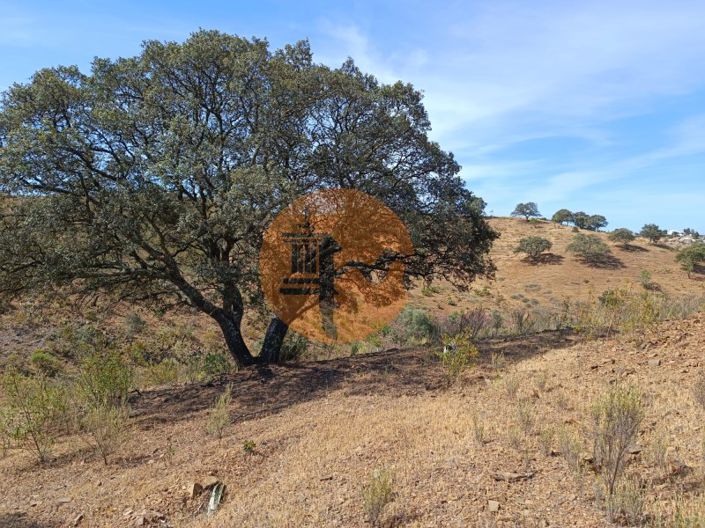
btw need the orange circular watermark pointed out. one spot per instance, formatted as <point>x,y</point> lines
<point>332,265</point>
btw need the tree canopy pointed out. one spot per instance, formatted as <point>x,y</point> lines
<point>533,247</point>
<point>527,210</point>
<point>154,177</point>
<point>622,236</point>
<point>692,256</point>
<point>652,232</point>
<point>590,248</point>
<point>562,216</point>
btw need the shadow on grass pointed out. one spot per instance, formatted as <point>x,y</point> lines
<point>544,258</point>
<point>631,248</point>
<point>261,391</point>
<point>603,262</point>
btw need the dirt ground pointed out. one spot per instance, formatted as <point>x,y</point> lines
<point>321,428</point>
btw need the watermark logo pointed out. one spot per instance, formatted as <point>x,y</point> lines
<point>332,265</point>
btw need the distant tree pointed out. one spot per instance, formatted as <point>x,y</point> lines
<point>562,216</point>
<point>622,236</point>
<point>691,232</point>
<point>596,222</point>
<point>154,178</point>
<point>527,210</point>
<point>581,220</point>
<point>652,232</point>
<point>533,247</point>
<point>589,247</point>
<point>691,256</point>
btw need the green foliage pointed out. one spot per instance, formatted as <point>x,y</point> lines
<point>219,417</point>
<point>652,232</point>
<point>590,222</point>
<point>691,256</point>
<point>378,492</point>
<point>562,216</point>
<point>45,363</point>
<point>248,446</point>
<point>527,210</point>
<point>120,179</point>
<point>412,326</point>
<point>104,427</point>
<point>617,416</point>
<point>622,236</point>
<point>33,408</point>
<point>533,246</point>
<point>589,247</point>
<point>105,379</point>
<point>294,347</point>
<point>458,354</point>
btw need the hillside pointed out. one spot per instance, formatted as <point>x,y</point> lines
<point>488,450</point>
<point>561,276</point>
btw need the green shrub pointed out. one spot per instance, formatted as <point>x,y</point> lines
<point>413,326</point>
<point>219,417</point>
<point>45,363</point>
<point>104,427</point>
<point>104,379</point>
<point>617,416</point>
<point>458,354</point>
<point>378,492</point>
<point>590,248</point>
<point>533,246</point>
<point>249,446</point>
<point>33,410</point>
<point>622,236</point>
<point>164,372</point>
<point>294,347</point>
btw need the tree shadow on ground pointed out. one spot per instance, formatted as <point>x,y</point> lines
<point>603,262</point>
<point>261,391</point>
<point>544,258</point>
<point>21,520</point>
<point>631,248</point>
<point>663,246</point>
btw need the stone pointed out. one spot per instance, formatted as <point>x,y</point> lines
<point>194,489</point>
<point>77,520</point>
<point>493,506</point>
<point>655,362</point>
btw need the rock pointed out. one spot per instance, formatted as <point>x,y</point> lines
<point>63,500</point>
<point>148,517</point>
<point>194,489</point>
<point>655,362</point>
<point>77,520</point>
<point>493,506</point>
<point>210,482</point>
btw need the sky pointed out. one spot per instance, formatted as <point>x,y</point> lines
<point>591,106</point>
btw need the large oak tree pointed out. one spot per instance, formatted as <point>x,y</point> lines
<point>154,177</point>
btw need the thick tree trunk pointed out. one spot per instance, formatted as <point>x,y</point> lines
<point>273,339</point>
<point>230,325</point>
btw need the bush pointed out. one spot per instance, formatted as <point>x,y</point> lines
<point>293,347</point>
<point>533,246</point>
<point>691,256</point>
<point>589,247</point>
<point>377,494</point>
<point>33,409</point>
<point>164,372</point>
<point>458,354</point>
<point>414,326</point>
<point>470,323</point>
<point>617,416</point>
<point>622,236</point>
<point>219,417</point>
<point>104,427</point>
<point>45,363</point>
<point>105,379</point>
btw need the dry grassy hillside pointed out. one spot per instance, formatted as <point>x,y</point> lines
<point>561,275</point>
<point>508,442</point>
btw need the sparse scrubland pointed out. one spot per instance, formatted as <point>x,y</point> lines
<point>584,406</point>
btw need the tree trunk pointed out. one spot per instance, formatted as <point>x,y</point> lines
<point>230,325</point>
<point>273,339</point>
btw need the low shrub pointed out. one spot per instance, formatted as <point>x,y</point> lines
<point>104,427</point>
<point>377,493</point>
<point>219,417</point>
<point>457,355</point>
<point>45,363</point>
<point>105,379</point>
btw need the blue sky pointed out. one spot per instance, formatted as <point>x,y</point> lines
<point>594,106</point>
